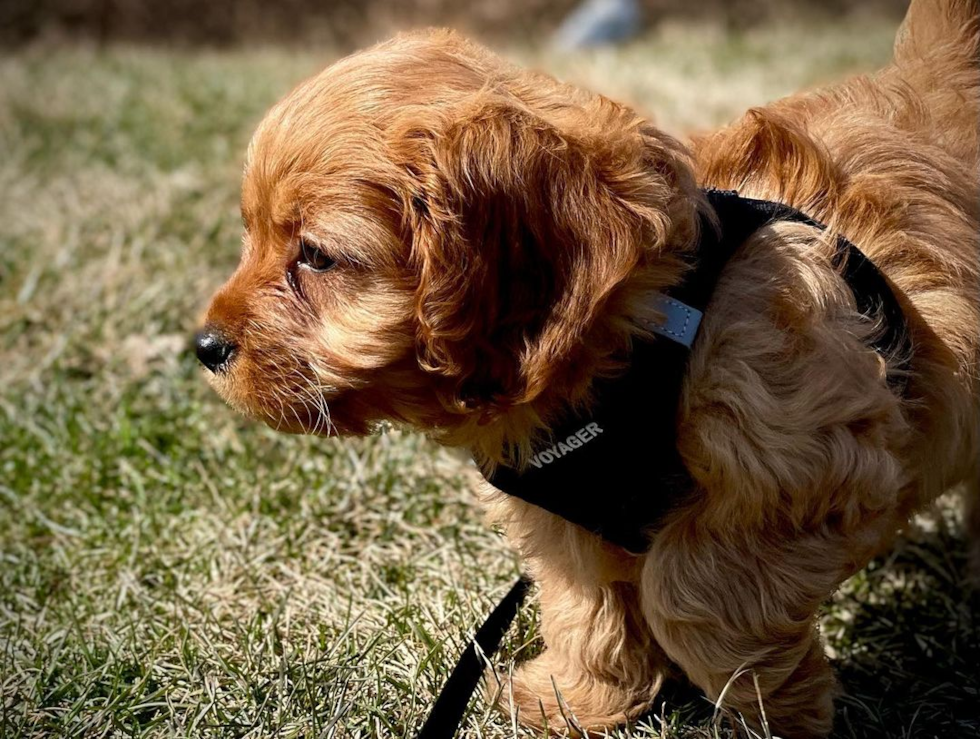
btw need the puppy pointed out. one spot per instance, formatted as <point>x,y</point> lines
<point>439,239</point>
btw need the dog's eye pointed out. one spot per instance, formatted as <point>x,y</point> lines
<point>314,258</point>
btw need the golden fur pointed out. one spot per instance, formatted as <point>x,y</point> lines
<point>496,234</point>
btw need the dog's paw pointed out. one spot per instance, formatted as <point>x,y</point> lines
<point>548,695</point>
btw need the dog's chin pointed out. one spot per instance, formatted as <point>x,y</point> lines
<point>316,420</point>
<point>326,416</point>
<point>300,419</point>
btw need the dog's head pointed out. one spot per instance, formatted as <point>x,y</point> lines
<point>436,237</point>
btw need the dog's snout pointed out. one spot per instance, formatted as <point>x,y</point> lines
<point>214,348</point>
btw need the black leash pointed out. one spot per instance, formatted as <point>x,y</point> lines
<point>447,713</point>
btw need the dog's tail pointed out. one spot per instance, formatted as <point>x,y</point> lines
<point>939,28</point>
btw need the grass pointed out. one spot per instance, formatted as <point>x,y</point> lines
<point>169,569</point>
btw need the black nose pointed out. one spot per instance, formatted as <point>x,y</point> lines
<point>214,349</point>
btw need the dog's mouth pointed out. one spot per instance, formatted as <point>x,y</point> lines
<point>293,405</point>
<point>287,400</point>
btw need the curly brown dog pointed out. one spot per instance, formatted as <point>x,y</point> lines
<point>437,238</point>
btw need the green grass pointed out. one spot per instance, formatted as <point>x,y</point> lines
<point>170,569</point>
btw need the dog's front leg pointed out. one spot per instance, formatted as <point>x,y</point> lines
<point>738,612</point>
<point>601,665</point>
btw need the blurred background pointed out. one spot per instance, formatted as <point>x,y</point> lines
<point>168,568</point>
<point>346,24</point>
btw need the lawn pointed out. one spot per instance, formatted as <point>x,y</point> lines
<point>170,569</point>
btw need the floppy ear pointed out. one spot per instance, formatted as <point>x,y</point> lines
<point>521,229</point>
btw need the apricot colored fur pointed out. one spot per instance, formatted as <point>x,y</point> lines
<point>497,234</point>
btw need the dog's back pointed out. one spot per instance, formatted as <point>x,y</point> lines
<point>892,161</point>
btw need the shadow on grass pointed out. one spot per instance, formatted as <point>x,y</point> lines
<point>909,661</point>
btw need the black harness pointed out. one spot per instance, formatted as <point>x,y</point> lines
<point>587,471</point>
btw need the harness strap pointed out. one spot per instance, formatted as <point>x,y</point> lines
<point>681,322</point>
<point>874,295</point>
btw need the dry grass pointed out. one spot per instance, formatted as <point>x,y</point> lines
<point>169,569</point>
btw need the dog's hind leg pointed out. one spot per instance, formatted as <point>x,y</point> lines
<point>738,612</point>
